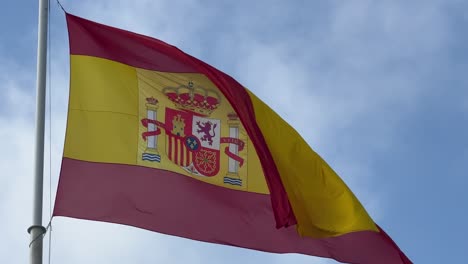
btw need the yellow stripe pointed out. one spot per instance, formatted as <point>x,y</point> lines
<point>323,205</point>
<point>99,137</point>
<point>103,111</point>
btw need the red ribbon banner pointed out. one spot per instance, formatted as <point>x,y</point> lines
<point>156,132</point>
<point>240,145</point>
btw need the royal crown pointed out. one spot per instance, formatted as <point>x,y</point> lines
<point>195,99</point>
<point>232,116</point>
<point>152,101</point>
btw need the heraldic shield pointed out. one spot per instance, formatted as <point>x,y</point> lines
<point>193,142</point>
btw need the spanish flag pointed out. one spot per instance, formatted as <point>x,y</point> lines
<point>160,140</point>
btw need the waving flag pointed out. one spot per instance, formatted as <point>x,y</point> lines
<point>160,140</point>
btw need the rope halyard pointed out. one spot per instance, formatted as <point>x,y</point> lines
<point>61,6</point>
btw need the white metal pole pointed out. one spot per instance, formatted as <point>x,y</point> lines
<point>37,230</point>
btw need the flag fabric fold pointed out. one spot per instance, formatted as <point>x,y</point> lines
<point>160,140</point>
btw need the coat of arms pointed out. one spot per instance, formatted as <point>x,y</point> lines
<point>193,138</point>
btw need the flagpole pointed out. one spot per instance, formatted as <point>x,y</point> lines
<point>36,230</point>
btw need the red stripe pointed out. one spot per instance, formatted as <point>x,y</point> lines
<point>174,204</point>
<point>182,153</point>
<point>389,240</point>
<point>93,39</point>
<point>169,146</point>
<point>176,151</point>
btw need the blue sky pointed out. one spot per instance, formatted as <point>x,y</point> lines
<point>378,88</point>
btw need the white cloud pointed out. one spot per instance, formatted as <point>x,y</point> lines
<point>15,164</point>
